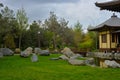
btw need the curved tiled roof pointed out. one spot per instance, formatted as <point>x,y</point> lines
<point>111,5</point>
<point>114,21</point>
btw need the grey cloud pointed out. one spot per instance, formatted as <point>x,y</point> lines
<point>56,1</point>
<point>41,1</point>
<point>72,10</point>
<point>32,3</point>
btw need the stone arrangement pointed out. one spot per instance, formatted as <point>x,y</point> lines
<point>38,51</point>
<point>6,52</point>
<point>105,55</point>
<point>107,59</point>
<point>72,58</point>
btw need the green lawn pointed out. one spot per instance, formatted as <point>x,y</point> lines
<point>17,68</point>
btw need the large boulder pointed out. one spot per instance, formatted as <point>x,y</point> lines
<point>6,51</point>
<point>63,57</point>
<point>76,62</point>
<point>67,51</point>
<point>34,58</point>
<point>24,54</point>
<point>44,53</point>
<point>112,64</point>
<point>69,54</point>
<point>37,50</point>
<point>29,50</point>
<point>1,55</point>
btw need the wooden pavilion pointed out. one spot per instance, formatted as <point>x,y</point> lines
<point>109,31</point>
<point>109,34</point>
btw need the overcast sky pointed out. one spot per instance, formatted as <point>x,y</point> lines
<point>83,11</point>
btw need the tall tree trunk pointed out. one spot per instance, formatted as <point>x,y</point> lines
<point>39,45</point>
<point>54,41</point>
<point>20,38</point>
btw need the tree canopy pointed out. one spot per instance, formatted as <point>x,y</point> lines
<point>55,32</point>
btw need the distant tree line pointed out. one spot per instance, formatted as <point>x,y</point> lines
<point>16,32</point>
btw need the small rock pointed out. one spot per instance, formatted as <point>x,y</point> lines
<point>1,55</point>
<point>34,58</point>
<point>76,62</point>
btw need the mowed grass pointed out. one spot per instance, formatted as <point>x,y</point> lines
<point>17,68</point>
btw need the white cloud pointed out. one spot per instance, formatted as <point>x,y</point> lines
<point>86,12</point>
